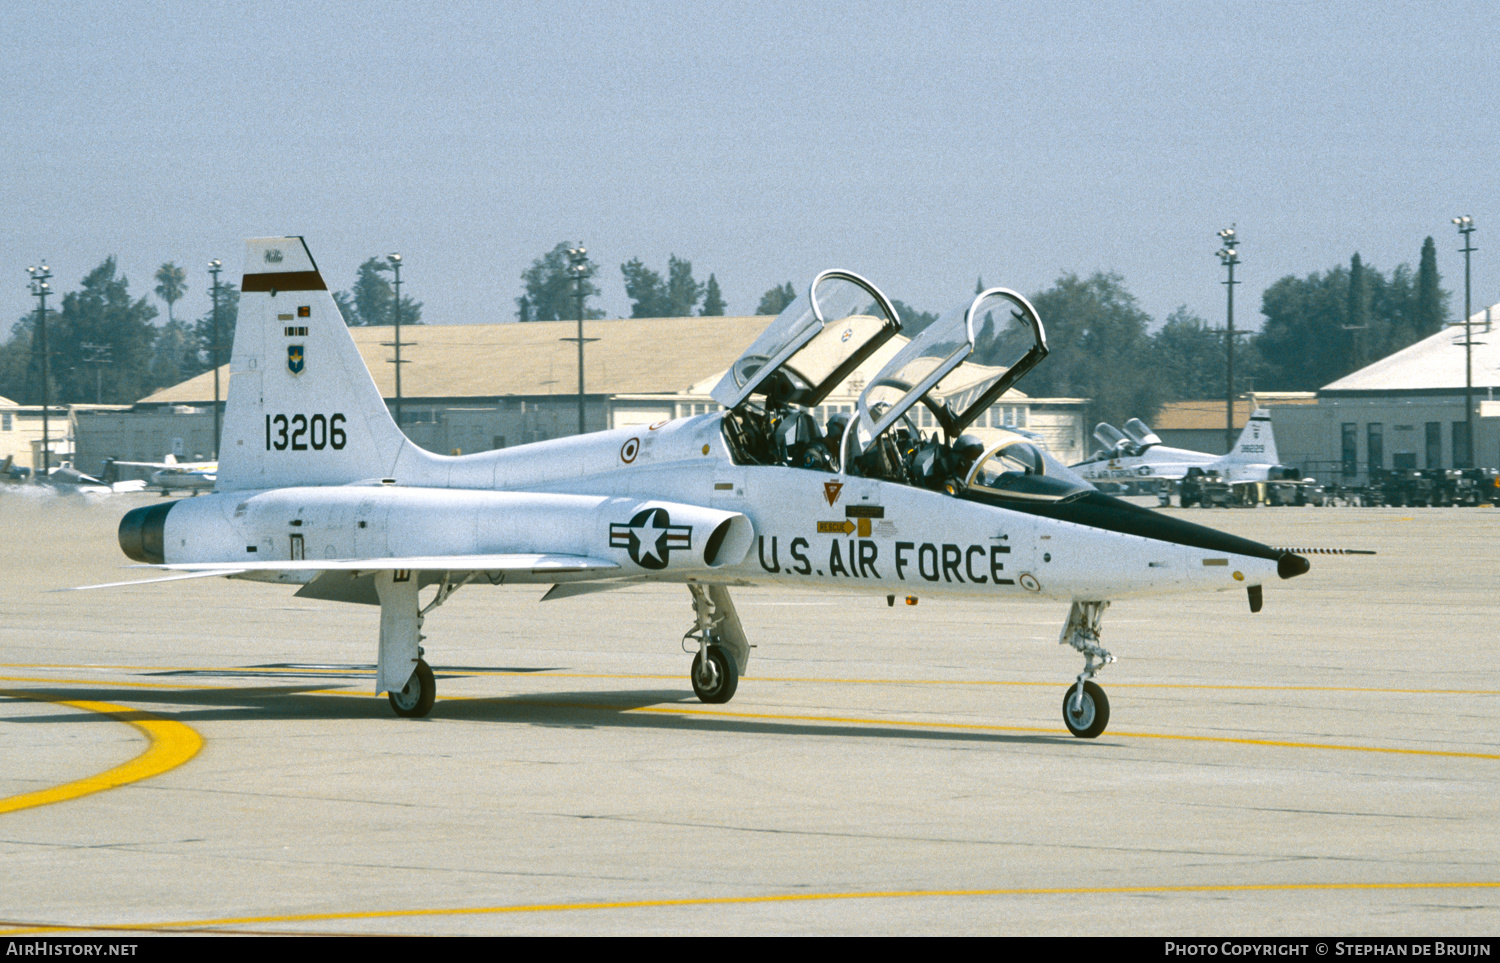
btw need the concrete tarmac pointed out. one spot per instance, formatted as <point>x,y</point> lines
<point>208,755</point>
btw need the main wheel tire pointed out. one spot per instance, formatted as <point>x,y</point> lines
<point>715,680</point>
<point>1089,718</point>
<point>415,700</point>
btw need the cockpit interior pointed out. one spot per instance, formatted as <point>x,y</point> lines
<point>842,322</point>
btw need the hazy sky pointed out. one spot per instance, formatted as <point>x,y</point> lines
<point>922,145</point>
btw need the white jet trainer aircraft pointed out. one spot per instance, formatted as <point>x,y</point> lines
<point>1137,454</point>
<point>318,487</point>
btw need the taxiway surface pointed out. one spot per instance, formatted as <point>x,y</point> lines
<point>208,756</point>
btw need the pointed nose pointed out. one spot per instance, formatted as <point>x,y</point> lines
<point>1290,565</point>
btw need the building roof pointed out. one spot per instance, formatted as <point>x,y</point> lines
<point>632,356</point>
<point>1434,364</point>
<point>1199,415</point>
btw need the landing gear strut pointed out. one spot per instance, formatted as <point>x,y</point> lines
<point>401,672</point>
<point>1085,707</point>
<point>722,651</point>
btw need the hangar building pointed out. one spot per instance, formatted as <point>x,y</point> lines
<point>1403,411</point>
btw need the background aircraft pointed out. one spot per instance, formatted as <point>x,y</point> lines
<point>67,479</point>
<point>317,487</point>
<point>170,475</point>
<point>1137,454</point>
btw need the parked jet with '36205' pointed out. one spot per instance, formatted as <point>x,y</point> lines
<point>318,487</point>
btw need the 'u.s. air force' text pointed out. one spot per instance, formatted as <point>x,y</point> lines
<point>860,558</point>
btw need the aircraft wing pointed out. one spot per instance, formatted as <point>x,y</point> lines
<point>534,564</point>
<point>512,562</point>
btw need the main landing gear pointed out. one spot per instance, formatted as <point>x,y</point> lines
<point>402,673</point>
<point>1085,707</point>
<point>722,650</point>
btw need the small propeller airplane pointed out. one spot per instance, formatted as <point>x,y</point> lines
<point>170,475</point>
<point>318,487</point>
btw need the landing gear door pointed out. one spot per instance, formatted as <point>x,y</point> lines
<point>957,366</point>
<point>816,343</point>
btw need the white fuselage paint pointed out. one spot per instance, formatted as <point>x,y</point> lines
<point>811,529</point>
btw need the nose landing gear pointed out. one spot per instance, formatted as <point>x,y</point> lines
<point>1085,707</point>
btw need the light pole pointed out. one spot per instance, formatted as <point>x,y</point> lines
<point>214,267</point>
<point>395,260</point>
<point>1229,257</point>
<point>1466,227</point>
<point>579,269</point>
<point>40,288</point>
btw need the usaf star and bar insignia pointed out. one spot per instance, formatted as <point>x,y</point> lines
<point>650,537</point>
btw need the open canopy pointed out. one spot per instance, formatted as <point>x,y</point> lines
<point>814,344</point>
<point>958,366</point>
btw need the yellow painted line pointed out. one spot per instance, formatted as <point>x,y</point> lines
<point>170,744</point>
<point>901,723</point>
<point>752,900</point>
<point>950,726</point>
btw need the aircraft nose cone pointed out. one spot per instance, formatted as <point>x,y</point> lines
<point>1290,565</point>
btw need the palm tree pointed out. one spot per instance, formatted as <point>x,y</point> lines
<point>173,282</point>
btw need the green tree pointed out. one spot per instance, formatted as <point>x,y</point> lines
<point>102,313</point>
<point>646,290</point>
<point>713,299</point>
<point>372,299</point>
<point>171,285</point>
<point>1431,310</point>
<point>1100,349</point>
<point>20,369</point>
<point>1302,339</point>
<point>1357,312</point>
<point>912,320</point>
<point>550,293</point>
<point>776,300</point>
<point>683,293</point>
<point>174,354</point>
<point>203,328</point>
<point>1188,355</point>
<point>1322,327</point>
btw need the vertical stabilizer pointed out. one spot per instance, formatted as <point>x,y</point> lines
<point>302,408</point>
<point>1256,443</point>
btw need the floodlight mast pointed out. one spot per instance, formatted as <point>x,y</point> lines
<point>395,260</point>
<point>214,267</point>
<point>1229,257</point>
<point>40,288</point>
<point>579,269</point>
<point>1465,226</point>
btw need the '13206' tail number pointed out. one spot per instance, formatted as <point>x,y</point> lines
<point>301,432</point>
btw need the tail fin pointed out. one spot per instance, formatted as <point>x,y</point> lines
<point>1256,443</point>
<point>302,408</point>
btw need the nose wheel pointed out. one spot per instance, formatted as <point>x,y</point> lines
<point>714,676</point>
<point>1085,710</point>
